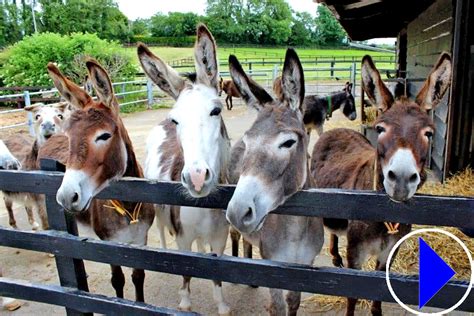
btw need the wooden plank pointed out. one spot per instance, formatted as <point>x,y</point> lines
<point>349,204</point>
<point>79,300</point>
<point>323,280</point>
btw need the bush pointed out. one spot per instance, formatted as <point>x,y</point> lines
<point>27,59</point>
<point>184,41</point>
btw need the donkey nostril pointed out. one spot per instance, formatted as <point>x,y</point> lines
<point>413,177</point>
<point>248,215</point>
<point>75,198</point>
<point>391,175</point>
<point>208,175</point>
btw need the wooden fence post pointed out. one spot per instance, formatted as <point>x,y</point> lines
<point>29,115</point>
<point>71,271</point>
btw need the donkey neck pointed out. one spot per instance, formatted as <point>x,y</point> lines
<point>335,100</point>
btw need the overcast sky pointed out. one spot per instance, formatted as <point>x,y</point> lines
<point>134,9</point>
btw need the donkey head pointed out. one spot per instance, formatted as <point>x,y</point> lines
<point>404,127</point>
<point>48,119</point>
<point>97,138</point>
<point>348,104</point>
<point>274,160</point>
<point>196,113</point>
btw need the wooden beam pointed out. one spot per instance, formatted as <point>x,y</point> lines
<point>79,300</point>
<point>349,204</point>
<point>272,274</point>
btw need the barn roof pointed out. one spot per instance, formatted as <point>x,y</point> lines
<point>365,19</point>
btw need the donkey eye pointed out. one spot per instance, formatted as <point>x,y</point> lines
<point>174,121</point>
<point>429,134</point>
<point>60,116</point>
<point>216,111</point>
<point>288,143</point>
<point>379,129</point>
<point>37,117</point>
<point>103,137</point>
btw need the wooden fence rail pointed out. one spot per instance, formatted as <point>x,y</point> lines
<point>70,250</point>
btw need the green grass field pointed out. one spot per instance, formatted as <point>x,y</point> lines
<point>264,72</point>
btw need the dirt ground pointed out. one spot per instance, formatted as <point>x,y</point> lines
<point>160,289</point>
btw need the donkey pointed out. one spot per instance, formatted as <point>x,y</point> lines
<point>191,146</point>
<point>317,109</point>
<point>7,160</point>
<point>229,88</point>
<point>343,158</point>
<point>99,151</point>
<point>48,120</point>
<point>272,164</point>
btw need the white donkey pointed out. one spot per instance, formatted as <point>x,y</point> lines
<point>191,146</point>
<point>48,120</point>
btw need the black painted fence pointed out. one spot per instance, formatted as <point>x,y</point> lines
<point>70,250</point>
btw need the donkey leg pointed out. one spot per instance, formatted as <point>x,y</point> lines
<point>227,102</point>
<point>138,278</point>
<point>231,105</point>
<point>118,280</point>
<point>334,251</point>
<point>43,216</point>
<point>185,291</point>
<point>354,261</point>
<point>277,304</point>
<point>11,215</point>
<point>248,254</point>
<point>31,218</point>
<point>376,308</point>
<point>235,237</point>
<point>217,246</point>
<point>293,300</point>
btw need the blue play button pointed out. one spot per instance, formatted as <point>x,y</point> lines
<point>434,273</point>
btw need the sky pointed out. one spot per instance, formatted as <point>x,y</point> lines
<point>134,9</point>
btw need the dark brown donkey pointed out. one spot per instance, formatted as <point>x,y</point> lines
<point>100,151</point>
<point>343,158</point>
<point>230,89</point>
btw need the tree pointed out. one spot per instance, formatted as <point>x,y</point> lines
<point>302,29</point>
<point>328,29</point>
<point>140,27</point>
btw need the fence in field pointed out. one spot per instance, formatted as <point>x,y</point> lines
<point>323,74</point>
<point>70,250</point>
<point>141,91</point>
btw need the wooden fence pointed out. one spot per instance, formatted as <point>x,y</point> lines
<point>70,250</point>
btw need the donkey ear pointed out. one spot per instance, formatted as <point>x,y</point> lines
<point>68,89</point>
<point>34,107</point>
<point>103,86</point>
<point>159,72</point>
<point>206,59</point>
<point>292,80</point>
<point>437,83</point>
<point>252,93</point>
<point>373,85</point>
<point>61,106</point>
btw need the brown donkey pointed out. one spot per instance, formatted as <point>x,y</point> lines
<point>100,151</point>
<point>270,163</point>
<point>229,88</point>
<point>343,158</point>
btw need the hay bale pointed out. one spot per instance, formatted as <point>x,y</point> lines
<point>370,115</point>
<point>406,261</point>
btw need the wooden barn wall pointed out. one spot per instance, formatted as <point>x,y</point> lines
<point>427,36</point>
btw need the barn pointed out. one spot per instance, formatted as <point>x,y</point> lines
<point>424,29</point>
